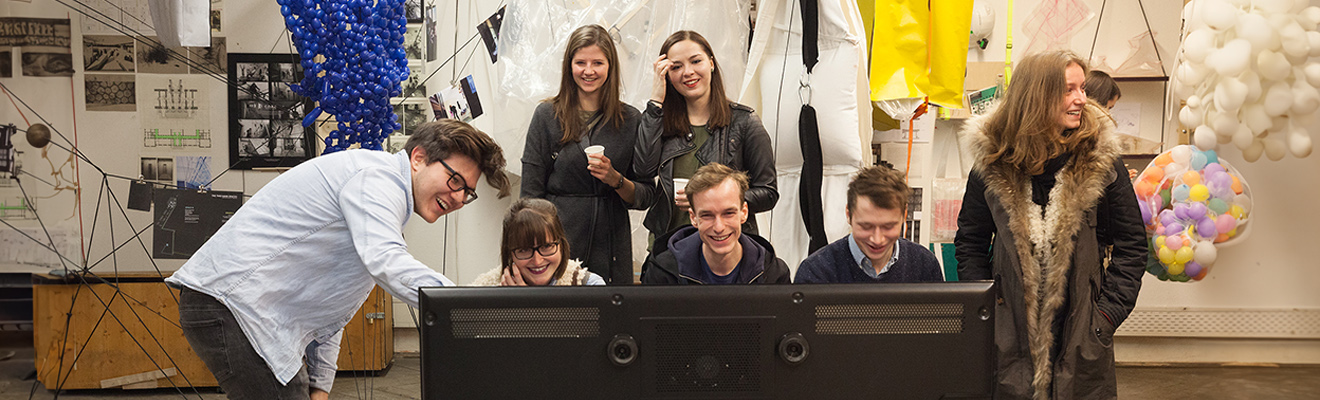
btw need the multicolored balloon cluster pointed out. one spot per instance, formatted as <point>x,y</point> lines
<point>353,60</point>
<point>1190,201</point>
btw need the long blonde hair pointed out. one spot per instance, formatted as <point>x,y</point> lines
<point>1024,130</point>
<point>566,102</point>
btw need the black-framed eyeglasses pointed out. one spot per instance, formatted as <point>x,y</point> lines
<point>456,182</point>
<point>546,250</point>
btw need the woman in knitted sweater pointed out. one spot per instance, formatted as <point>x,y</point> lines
<point>532,250</point>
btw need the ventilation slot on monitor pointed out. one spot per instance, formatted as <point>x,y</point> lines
<point>888,319</point>
<point>708,357</point>
<point>502,323</point>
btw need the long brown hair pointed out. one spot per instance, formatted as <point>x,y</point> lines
<point>567,108</point>
<point>675,107</point>
<point>1024,130</point>
<point>526,225</point>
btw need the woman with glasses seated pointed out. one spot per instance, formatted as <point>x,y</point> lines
<point>532,250</point>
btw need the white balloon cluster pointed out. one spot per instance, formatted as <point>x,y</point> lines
<point>1245,76</point>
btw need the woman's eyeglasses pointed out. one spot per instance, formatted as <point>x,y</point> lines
<point>546,250</point>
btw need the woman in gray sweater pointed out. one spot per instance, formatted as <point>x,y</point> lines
<point>593,192</point>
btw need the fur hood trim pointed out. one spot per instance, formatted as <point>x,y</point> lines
<point>1044,241</point>
<point>574,275</point>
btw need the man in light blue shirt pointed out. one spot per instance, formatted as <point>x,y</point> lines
<point>264,301</point>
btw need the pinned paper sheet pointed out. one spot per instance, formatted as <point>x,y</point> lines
<point>923,129</point>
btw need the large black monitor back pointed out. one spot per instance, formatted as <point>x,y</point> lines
<point>900,341</point>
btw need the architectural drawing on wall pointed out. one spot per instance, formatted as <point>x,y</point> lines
<point>15,207</point>
<point>110,92</point>
<point>175,100</point>
<point>117,18</point>
<point>175,111</point>
<point>187,218</point>
<point>17,247</point>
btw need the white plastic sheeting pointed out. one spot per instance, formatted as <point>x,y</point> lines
<point>772,85</point>
<point>535,32</point>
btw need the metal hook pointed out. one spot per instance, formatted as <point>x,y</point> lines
<point>804,85</point>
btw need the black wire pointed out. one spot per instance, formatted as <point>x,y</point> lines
<point>138,36</point>
<point>1152,38</point>
<point>779,100</point>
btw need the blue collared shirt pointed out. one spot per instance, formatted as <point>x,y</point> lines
<point>297,260</point>
<point>865,263</point>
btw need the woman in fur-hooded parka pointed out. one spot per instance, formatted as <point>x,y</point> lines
<point>1046,198</point>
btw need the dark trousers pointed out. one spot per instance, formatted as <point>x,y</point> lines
<point>218,340</point>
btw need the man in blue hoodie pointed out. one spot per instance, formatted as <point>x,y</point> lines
<point>714,250</point>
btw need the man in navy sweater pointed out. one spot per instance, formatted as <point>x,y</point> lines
<point>873,252</point>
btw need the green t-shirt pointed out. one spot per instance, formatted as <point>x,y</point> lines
<point>684,167</point>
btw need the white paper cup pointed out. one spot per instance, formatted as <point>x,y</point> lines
<point>679,184</point>
<point>597,149</point>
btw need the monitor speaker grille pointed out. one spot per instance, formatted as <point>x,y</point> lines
<point>888,319</point>
<point>708,357</point>
<point>501,323</point>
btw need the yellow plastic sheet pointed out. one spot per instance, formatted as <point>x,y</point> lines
<point>919,49</point>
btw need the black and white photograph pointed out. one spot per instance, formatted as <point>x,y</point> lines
<point>414,42</point>
<point>46,64</point>
<point>254,72</point>
<point>254,128</point>
<point>412,9</point>
<point>254,147</point>
<point>412,114</point>
<point>490,33</point>
<point>165,170</point>
<point>148,171</point>
<point>110,92</point>
<point>210,60</point>
<point>154,58</point>
<point>287,73</point>
<point>265,114</point>
<point>108,53</point>
<point>280,91</point>
<point>290,147</point>
<point>6,62</point>
<point>257,109</point>
<point>432,44</point>
<point>254,91</point>
<point>414,87</point>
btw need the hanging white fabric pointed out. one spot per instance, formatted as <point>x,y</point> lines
<point>181,23</point>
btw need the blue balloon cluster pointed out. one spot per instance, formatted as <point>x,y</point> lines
<point>353,60</point>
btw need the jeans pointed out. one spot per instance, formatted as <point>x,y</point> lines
<point>219,341</point>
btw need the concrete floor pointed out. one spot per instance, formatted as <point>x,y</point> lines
<point>401,381</point>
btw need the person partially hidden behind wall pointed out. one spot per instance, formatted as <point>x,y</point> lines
<point>714,250</point>
<point>264,301</point>
<point>873,252</point>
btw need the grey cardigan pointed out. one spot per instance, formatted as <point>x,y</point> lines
<point>595,217</point>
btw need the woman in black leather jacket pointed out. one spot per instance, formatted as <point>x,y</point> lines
<point>690,122</point>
